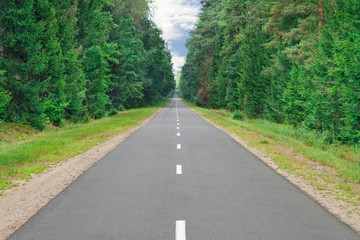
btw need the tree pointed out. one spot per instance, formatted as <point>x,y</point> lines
<point>95,25</point>
<point>159,80</point>
<point>79,59</point>
<point>74,89</point>
<point>52,77</point>
<point>283,60</point>
<point>253,85</point>
<point>23,62</point>
<point>5,97</point>
<point>127,74</point>
<point>202,47</point>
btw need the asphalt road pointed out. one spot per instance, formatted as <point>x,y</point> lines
<point>201,184</point>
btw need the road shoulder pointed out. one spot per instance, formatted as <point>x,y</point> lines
<point>20,203</point>
<point>330,202</point>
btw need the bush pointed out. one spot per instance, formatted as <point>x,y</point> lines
<point>113,112</point>
<point>238,115</point>
<point>121,108</point>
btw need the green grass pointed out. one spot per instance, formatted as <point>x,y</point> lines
<point>13,132</point>
<point>294,150</point>
<point>35,151</point>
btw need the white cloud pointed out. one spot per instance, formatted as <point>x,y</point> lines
<point>175,18</point>
<point>178,61</point>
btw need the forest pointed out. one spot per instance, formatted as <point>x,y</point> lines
<point>77,60</point>
<point>295,62</point>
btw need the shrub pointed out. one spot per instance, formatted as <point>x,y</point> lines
<point>113,112</point>
<point>238,115</point>
<point>121,108</point>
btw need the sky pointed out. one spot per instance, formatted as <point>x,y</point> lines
<point>176,18</point>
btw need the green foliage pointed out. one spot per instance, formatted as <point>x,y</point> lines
<point>52,76</point>
<point>238,115</point>
<point>78,60</point>
<point>189,84</point>
<point>285,61</point>
<point>252,85</point>
<point>159,78</point>
<point>194,82</point>
<point>95,25</point>
<point>73,71</point>
<point>96,71</point>
<point>113,112</point>
<point>127,74</point>
<point>4,95</point>
<point>121,108</point>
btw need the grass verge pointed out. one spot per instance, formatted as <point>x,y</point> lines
<point>333,169</point>
<point>31,152</point>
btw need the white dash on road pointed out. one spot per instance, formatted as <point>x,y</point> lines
<point>180,230</point>
<point>179,146</point>
<point>178,169</point>
<point>178,124</point>
<point>177,128</point>
<point>178,120</point>
<point>178,134</point>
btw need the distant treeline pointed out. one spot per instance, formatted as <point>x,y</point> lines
<point>79,59</point>
<point>287,61</point>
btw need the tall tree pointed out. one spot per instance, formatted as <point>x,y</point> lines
<point>283,60</point>
<point>202,47</point>
<point>95,25</point>
<point>127,74</point>
<point>73,71</point>
<point>5,97</point>
<point>159,76</point>
<point>78,59</point>
<point>22,58</point>
<point>52,76</point>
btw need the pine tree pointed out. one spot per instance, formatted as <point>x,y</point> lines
<point>74,88</point>
<point>253,86</point>
<point>158,68</point>
<point>340,45</point>
<point>5,97</point>
<point>95,25</point>
<point>68,59</point>
<point>189,84</point>
<point>52,76</point>
<point>127,75</point>
<point>202,47</point>
<point>23,62</point>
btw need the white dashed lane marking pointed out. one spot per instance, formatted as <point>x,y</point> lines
<point>178,169</point>
<point>180,230</point>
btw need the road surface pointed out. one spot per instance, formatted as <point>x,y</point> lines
<point>180,178</point>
